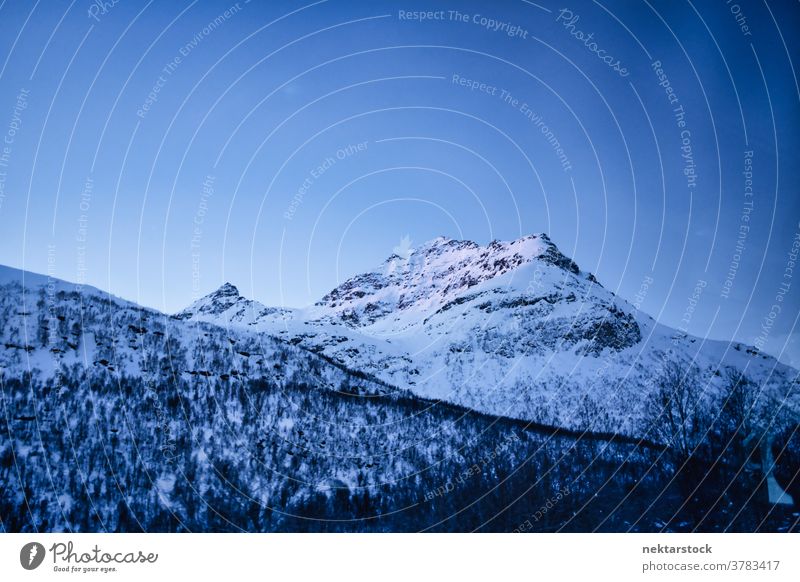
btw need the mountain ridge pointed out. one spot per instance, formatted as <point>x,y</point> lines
<point>240,416</point>
<point>511,328</point>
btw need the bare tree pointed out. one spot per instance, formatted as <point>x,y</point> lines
<point>740,417</point>
<point>675,408</point>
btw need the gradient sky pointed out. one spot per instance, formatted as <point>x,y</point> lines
<point>220,179</point>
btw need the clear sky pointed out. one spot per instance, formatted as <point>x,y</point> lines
<point>158,149</point>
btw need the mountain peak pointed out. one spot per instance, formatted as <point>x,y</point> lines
<point>434,273</point>
<point>227,290</point>
<point>445,241</point>
<point>521,250</point>
<point>441,243</point>
<point>214,303</point>
<point>437,242</point>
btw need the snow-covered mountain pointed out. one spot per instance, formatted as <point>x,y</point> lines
<point>511,328</point>
<point>51,327</point>
<point>223,417</point>
<point>121,418</point>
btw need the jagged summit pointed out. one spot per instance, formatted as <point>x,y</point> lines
<point>227,290</point>
<point>420,279</point>
<point>444,242</point>
<point>228,305</point>
<point>217,303</point>
<point>496,253</point>
<point>435,272</point>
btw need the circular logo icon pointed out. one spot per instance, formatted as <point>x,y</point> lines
<point>31,555</point>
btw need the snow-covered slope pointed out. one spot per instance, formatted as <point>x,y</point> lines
<point>50,328</point>
<point>512,328</point>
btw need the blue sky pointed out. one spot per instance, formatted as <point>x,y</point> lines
<point>160,149</point>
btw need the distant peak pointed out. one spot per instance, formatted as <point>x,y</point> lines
<point>536,246</point>
<point>436,242</point>
<point>227,289</point>
<point>215,302</point>
<point>439,240</point>
<point>443,242</point>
